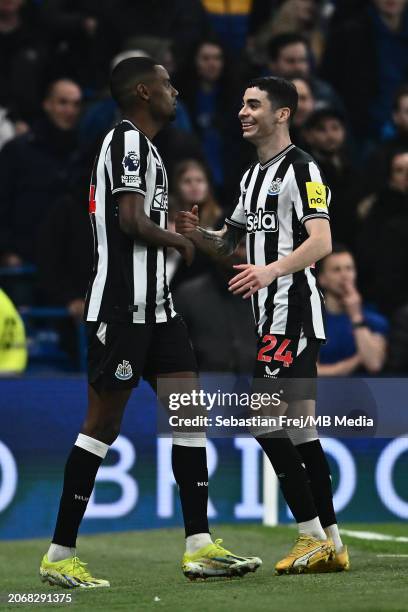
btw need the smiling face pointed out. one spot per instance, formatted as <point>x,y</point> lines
<point>259,119</point>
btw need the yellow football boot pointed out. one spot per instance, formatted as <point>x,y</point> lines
<point>69,573</point>
<point>339,562</point>
<point>306,552</point>
<point>215,561</point>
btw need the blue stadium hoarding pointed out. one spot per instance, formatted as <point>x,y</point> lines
<point>135,488</point>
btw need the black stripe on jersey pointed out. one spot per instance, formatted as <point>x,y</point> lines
<point>251,237</point>
<point>166,291</point>
<point>272,242</point>
<point>118,293</point>
<point>302,176</point>
<point>151,272</point>
<point>155,215</point>
<point>144,154</point>
<point>295,299</point>
<point>94,235</point>
<point>117,151</point>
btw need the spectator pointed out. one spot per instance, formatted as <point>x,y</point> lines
<point>64,250</point>
<point>65,257</point>
<point>209,92</point>
<point>191,186</point>
<point>356,333</point>
<point>306,106</point>
<point>375,172</point>
<point>326,140</point>
<point>303,17</point>
<point>220,325</point>
<point>382,244</point>
<point>359,54</point>
<point>288,55</point>
<point>22,53</point>
<point>35,169</point>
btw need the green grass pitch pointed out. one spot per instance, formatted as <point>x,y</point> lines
<point>144,571</point>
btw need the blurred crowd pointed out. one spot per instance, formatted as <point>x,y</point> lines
<point>349,62</point>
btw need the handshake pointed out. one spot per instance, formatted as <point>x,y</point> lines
<point>186,226</point>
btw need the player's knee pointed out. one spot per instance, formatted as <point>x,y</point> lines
<point>105,431</point>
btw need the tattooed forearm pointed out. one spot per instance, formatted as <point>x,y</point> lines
<point>218,243</point>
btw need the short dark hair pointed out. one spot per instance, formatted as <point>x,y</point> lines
<point>277,43</point>
<point>337,248</point>
<point>316,118</point>
<point>281,92</point>
<point>399,94</point>
<point>126,75</point>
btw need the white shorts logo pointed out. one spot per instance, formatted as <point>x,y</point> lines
<point>271,374</point>
<point>124,370</point>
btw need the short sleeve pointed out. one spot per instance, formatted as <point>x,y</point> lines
<point>129,152</point>
<point>376,322</point>
<point>238,217</point>
<point>310,195</point>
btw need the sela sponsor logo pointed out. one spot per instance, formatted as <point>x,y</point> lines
<point>275,187</point>
<point>124,370</point>
<point>316,195</point>
<point>262,221</point>
<point>271,373</point>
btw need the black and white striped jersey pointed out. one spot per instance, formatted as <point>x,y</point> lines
<point>276,198</point>
<point>129,281</point>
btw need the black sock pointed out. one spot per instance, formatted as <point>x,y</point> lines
<point>191,474</point>
<point>292,476</point>
<point>79,479</point>
<point>318,472</point>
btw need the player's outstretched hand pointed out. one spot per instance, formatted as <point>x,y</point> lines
<point>186,249</point>
<point>187,222</point>
<point>251,279</point>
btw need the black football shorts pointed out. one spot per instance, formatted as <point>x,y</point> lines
<point>287,365</point>
<point>120,353</point>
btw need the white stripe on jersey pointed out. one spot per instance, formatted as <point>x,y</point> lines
<point>259,251</point>
<point>140,263</point>
<point>317,315</point>
<point>98,285</point>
